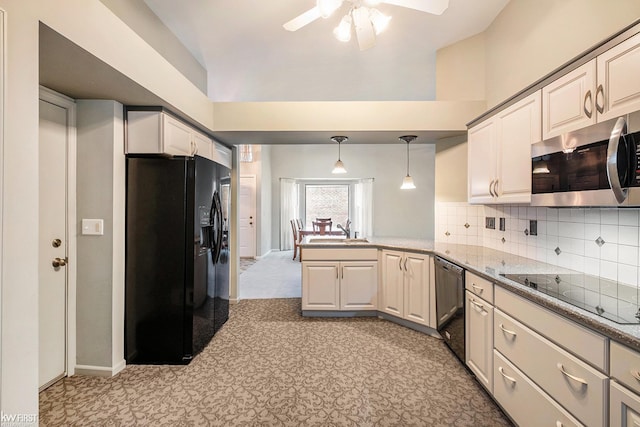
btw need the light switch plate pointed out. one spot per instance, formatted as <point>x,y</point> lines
<point>92,227</point>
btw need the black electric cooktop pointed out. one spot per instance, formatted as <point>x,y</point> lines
<point>606,298</point>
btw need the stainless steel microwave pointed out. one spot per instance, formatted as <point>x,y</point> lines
<point>594,166</point>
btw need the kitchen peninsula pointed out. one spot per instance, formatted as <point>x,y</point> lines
<point>576,351</point>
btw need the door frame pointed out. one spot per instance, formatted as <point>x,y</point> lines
<point>62,101</point>
<point>255,211</point>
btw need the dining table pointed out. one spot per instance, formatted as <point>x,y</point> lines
<point>310,232</point>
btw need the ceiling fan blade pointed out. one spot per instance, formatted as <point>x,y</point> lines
<point>300,21</point>
<point>364,29</point>
<point>436,7</point>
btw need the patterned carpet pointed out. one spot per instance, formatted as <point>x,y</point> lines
<point>270,367</point>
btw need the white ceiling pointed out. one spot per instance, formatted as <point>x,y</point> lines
<point>250,57</point>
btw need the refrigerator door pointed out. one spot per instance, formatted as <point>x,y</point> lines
<point>203,312</point>
<point>222,259</point>
<point>158,274</point>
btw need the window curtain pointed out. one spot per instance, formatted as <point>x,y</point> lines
<point>363,201</point>
<point>289,209</point>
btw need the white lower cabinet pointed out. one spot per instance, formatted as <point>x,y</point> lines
<point>406,286</point>
<point>525,402</point>
<point>339,285</point>
<point>624,407</point>
<point>478,325</point>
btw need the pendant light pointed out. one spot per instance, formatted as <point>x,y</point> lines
<point>339,166</point>
<point>407,182</point>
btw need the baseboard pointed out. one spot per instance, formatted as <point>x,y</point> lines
<point>100,371</point>
<point>264,255</point>
<point>234,301</point>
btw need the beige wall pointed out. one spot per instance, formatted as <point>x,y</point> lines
<point>531,38</point>
<point>460,70</point>
<point>138,16</point>
<point>451,170</point>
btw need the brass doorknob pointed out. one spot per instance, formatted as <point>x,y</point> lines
<point>59,262</point>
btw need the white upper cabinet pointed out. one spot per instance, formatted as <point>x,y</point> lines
<point>569,102</point>
<point>155,132</point>
<point>604,88</point>
<point>499,154</point>
<point>482,161</point>
<point>618,90</point>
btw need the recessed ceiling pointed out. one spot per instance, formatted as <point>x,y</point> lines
<point>250,57</point>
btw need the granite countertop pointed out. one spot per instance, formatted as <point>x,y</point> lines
<point>490,263</point>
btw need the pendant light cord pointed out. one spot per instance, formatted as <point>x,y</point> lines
<point>407,158</point>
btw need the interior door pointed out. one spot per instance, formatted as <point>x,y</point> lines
<point>247,216</point>
<point>53,242</point>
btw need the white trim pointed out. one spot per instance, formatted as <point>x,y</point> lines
<point>69,104</point>
<point>256,224</point>
<point>100,371</point>
<point>264,255</point>
<point>3,71</point>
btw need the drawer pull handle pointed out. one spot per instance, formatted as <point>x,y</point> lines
<point>635,374</point>
<point>480,306</point>
<point>481,290</point>
<point>513,380</point>
<point>573,377</point>
<point>507,330</point>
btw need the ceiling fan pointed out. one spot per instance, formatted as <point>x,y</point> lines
<point>366,20</point>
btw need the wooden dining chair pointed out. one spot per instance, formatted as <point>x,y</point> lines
<point>324,224</point>
<point>296,239</point>
<point>300,224</point>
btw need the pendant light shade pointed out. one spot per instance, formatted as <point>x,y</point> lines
<point>407,182</point>
<point>339,166</point>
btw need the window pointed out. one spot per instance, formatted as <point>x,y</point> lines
<point>327,201</point>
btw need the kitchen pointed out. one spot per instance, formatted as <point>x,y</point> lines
<point>19,264</point>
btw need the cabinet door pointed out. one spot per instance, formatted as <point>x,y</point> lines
<point>359,285</point>
<point>625,407</point>
<point>416,288</point>
<point>618,89</point>
<point>392,283</point>
<point>202,146</point>
<point>518,127</point>
<point>478,325</point>
<point>482,162</point>
<point>568,103</point>
<point>320,286</point>
<point>176,137</point>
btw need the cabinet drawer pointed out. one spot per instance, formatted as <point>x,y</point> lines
<point>584,343</point>
<point>479,286</point>
<point>578,387</point>
<point>524,401</point>
<point>625,366</point>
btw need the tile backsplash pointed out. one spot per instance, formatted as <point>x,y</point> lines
<point>598,241</point>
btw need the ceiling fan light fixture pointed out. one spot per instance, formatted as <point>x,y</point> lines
<point>339,166</point>
<point>372,2</point>
<point>407,182</point>
<point>379,20</point>
<point>343,31</point>
<point>327,7</point>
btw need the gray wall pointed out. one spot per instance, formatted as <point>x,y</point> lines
<point>100,260</point>
<point>137,15</point>
<point>402,213</point>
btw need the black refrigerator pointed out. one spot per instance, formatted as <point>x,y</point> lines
<point>177,257</point>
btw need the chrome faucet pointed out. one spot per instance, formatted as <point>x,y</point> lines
<point>347,231</point>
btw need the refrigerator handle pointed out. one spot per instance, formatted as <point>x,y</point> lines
<point>217,227</point>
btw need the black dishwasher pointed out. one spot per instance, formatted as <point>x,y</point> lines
<point>450,305</point>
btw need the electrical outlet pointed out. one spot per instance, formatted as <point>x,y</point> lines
<point>490,222</point>
<point>503,225</point>
<point>533,227</point>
